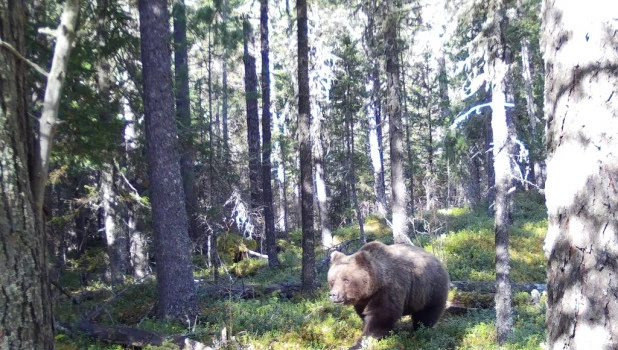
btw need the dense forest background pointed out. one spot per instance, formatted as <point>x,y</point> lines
<point>228,146</point>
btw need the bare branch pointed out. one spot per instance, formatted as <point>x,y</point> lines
<point>16,53</point>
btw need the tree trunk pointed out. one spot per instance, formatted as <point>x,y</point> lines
<point>115,233</point>
<point>581,72</point>
<point>444,113</point>
<point>377,158</point>
<point>212,239</point>
<point>51,102</point>
<point>175,288</point>
<point>376,150</point>
<point>224,99</point>
<point>320,185</point>
<point>429,181</point>
<point>269,215</point>
<point>393,110</point>
<point>183,114</point>
<point>473,183</point>
<point>536,174</point>
<point>409,174</point>
<point>282,187</point>
<point>349,130</point>
<point>25,305</point>
<point>308,278</point>
<point>489,168</point>
<point>138,245</point>
<point>253,120</point>
<point>352,177</point>
<point>502,149</point>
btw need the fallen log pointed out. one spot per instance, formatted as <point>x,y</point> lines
<point>490,287</point>
<point>457,310</point>
<point>134,337</point>
<point>250,291</point>
<point>256,254</point>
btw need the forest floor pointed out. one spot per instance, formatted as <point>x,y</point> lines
<point>462,239</point>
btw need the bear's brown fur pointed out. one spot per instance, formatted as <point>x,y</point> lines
<point>385,282</point>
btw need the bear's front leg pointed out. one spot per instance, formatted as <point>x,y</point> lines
<point>375,325</point>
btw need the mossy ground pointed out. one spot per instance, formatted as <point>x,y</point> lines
<point>464,243</point>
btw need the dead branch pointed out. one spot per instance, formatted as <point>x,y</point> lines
<point>256,254</point>
<point>21,57</point>
<point>65,292</point>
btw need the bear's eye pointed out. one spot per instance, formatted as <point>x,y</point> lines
<point>331,283</point>
<point>346,281</point>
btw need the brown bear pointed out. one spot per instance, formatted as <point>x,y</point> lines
<point>385,282</point>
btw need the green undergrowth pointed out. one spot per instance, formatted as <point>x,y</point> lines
<point>461,238</point>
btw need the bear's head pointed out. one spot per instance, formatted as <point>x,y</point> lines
<point>351,278</point>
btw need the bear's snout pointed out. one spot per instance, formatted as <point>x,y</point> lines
<point>335,298</point>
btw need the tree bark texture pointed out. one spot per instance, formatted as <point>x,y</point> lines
<point>253,119</point>
<point>579,40</point>
<point>267,188</point>
<point>393,110</point>
<point>25,303</point>
<point>306,161</point>
<point>183,114</point>
<point>175,288</point>
<point>503,142</point>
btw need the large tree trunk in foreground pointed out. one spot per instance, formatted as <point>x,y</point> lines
<point>26,321</point>
<point>175,288</point>
<point>306,161</point>
<point>581,67</point>
<point>25,304</point>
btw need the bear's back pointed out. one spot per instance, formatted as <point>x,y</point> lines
<point>418,274</point>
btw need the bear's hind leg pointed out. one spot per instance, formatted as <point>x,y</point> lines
<point>428,317</point>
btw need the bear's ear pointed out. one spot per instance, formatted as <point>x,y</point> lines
<point>336,256</point>
<point>362,259</point>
